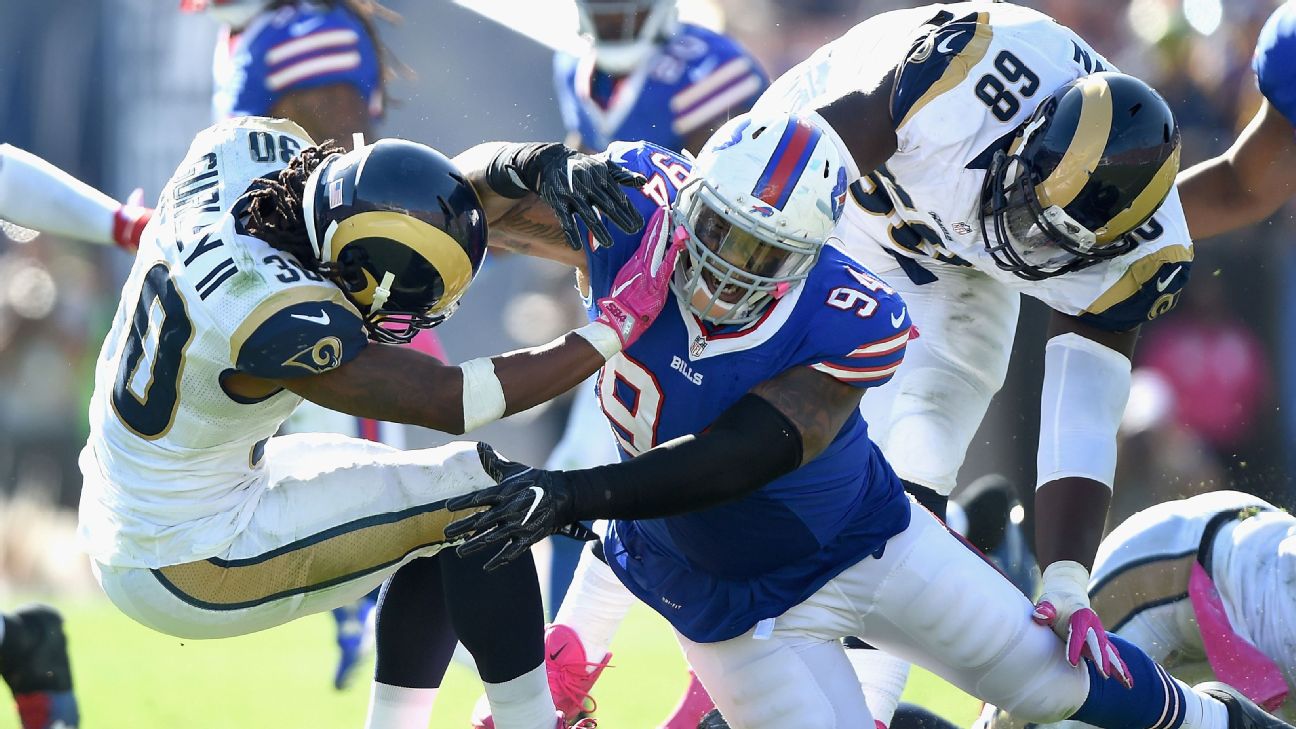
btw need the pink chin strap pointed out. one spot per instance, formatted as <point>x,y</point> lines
<point>1234,660</point>
<point>781,289</point>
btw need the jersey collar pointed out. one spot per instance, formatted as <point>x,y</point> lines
<point>705,341</point>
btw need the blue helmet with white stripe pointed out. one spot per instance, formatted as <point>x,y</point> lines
<point>763,197</point>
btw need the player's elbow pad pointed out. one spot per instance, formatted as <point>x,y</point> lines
<point>1086,386</point>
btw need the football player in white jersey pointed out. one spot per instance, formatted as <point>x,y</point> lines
<point>274,270</point>
<point>1000,155</point>
<point>1201,585</point>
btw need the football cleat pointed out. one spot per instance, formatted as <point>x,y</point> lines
<point>571,676</point>
<point>713,720</point>
<point>34,662</point>
<point>1243,713</point>
<point>354,638</point>
<point>692,708</point>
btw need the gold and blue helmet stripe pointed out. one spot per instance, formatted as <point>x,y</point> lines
<point>403,231</point>
<point>1094,162</point>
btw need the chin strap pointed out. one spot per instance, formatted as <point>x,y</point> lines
<point>382,293</point>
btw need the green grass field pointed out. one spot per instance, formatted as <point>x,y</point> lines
<point>128,677</point>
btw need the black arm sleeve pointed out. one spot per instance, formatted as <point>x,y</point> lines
<point>749,445</point>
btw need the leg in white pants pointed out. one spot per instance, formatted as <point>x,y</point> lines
<point>929,600</point>
<point>337,516</point>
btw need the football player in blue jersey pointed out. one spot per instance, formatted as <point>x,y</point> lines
<point>317,62</point>
<point>752,510</point>
<point>1251,180</point>
<point>647,76</point>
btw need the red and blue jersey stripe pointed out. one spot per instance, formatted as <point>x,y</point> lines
<point>787,164</point>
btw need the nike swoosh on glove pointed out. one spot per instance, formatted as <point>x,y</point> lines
<point>1064,606</point>
<point>576,185</point>
<point>526,505</point>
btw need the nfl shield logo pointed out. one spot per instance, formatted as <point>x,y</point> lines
<point>697,347</point>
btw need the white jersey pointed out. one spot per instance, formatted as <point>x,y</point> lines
<point>968,76</point>
<point>1143,566</point>
<point>173,467</point>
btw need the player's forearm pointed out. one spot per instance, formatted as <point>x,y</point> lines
<point>1216,200</point>
<point>1069,518</point>
<point>36,194</point>
<point>529,377</point>
<point>748,446</point>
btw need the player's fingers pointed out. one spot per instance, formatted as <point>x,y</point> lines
<point>510,552</point>
<point>626,177</point>
<point>1119,669</point>
<point>1045,614</point>
<point>570,231</point>
<point>1074,645</point>
<point>1099,656</point>
<point>593,223</point>
<point>466,525</point>
<point>618,208</point>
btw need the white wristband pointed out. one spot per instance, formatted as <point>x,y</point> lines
<point>601,337</point>
<point>1065,583</point>
<point>483,395</point>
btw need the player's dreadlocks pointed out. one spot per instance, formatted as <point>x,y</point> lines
<point>367,11</point>
<point>272,208</point>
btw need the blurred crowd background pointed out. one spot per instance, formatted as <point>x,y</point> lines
<point>114,90</point>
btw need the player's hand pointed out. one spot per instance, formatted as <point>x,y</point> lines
<point>642,285</point>
<point>129,221</point>
<point>527,505</point>
<point>1064,607</point>
<point>575,184</point>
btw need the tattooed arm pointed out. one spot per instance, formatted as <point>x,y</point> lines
<point>525,225</point>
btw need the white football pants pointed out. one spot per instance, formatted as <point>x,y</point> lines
<point>925,417</point>
<point>338,517</point>
<point>929,600</point>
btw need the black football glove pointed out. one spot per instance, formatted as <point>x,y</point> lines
<point>577,184</point>
<point>527,505</point>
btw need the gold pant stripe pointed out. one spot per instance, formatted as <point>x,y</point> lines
<point>1141,585</point>
<point>323,560</point>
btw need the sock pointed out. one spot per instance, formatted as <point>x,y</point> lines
<point>595,605</point>
<point>1202,711</point>
<point>397,707</point>
<point>523,702</point>
<point>881,676</point>
<point>1157,701</point>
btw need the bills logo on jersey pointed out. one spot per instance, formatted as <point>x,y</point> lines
<point>326,354</point>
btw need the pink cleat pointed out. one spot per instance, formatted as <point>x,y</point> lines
<point>571,674</point>
<point>695,703</point>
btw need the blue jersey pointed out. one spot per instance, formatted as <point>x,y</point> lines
<point>1275,60</point>
<point>294,48</point>
<point>693,79</point>
<point>717,572</point>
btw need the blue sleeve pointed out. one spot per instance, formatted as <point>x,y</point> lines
<point>564,74</point>
<point>309,48</point>
<point>860,334</point>
<point>304,338</point>
<point>1275,60</point>
<point>723,82</point>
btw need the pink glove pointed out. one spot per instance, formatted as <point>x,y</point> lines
<point>1064,606</point>
<point>642,285</point>
<point>129,221</point>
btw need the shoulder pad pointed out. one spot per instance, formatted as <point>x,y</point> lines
<point>303,330</point>
<point>860,336</point>
<point>937,62</point>
<point>1150,287</point>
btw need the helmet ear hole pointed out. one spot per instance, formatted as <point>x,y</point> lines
<point>758,132</point>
